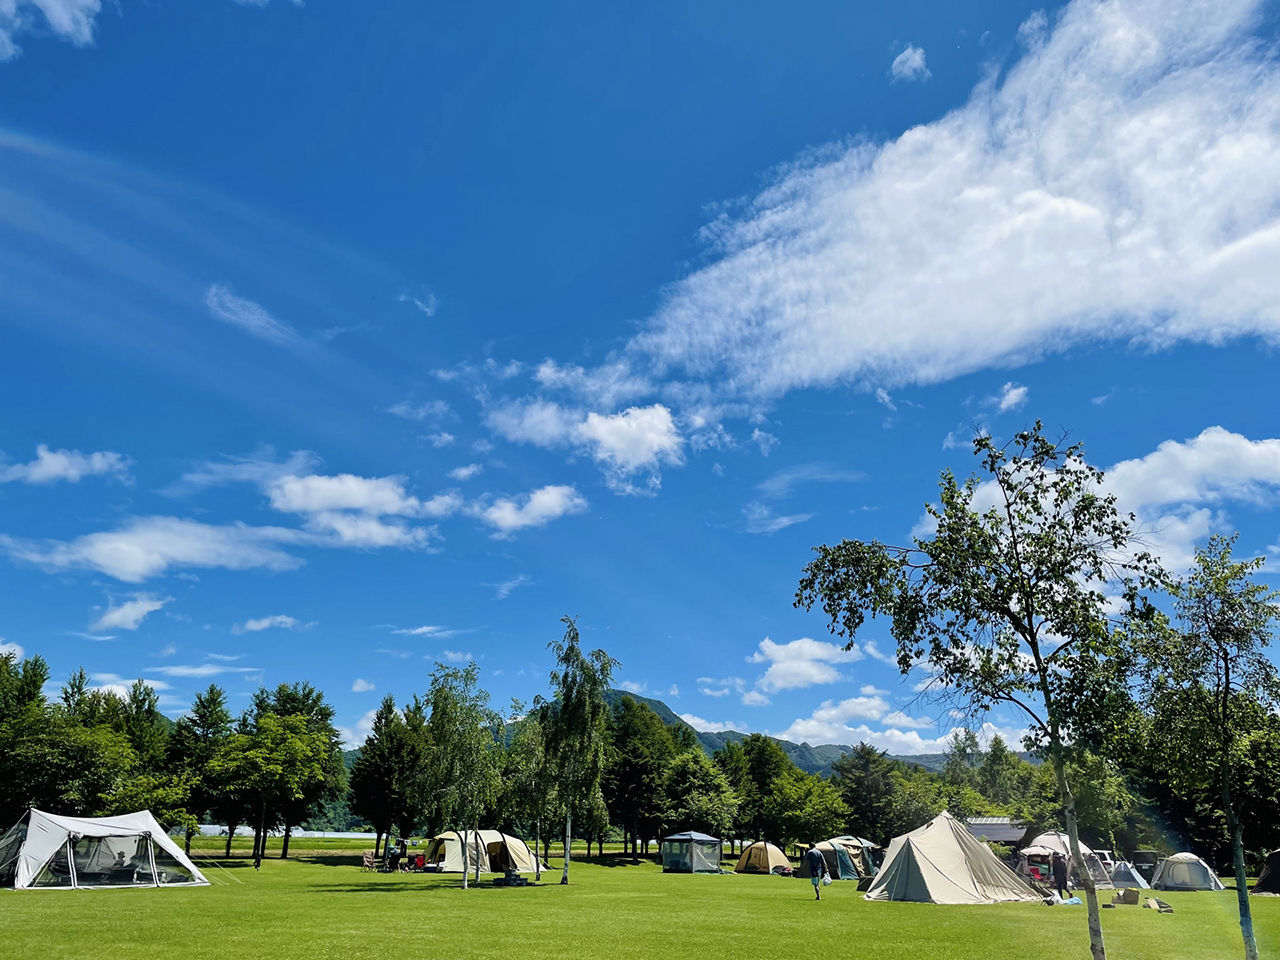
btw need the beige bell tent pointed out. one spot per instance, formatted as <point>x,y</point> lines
<point>1185,871</point>
<point>43,851</point>
<point>942,862</point>
<point>496,852</point>
<point>762,857</point>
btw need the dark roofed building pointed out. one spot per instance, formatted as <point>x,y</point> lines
<point>997,829</point>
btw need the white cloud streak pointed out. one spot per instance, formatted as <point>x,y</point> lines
<point>1122,180</point>
<point>50,466</point>
<point>910,65</point>
<point>247,315</point>
<point>70,20</point>
<point>130,614</point>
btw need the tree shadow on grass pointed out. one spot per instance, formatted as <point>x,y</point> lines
<point>333,860</point>
<point>614,860</point>
<point>485,886</point>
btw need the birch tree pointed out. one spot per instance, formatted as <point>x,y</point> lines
<point>1006,604</point>
<point>1212,672</point>
<point>575,724</point>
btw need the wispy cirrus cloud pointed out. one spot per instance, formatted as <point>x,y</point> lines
<point>251,317</point>
<point>70,20</point>
<point>130,614</point>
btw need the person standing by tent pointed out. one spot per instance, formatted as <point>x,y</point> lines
<point>1060,874</point>
<point>817,865</point>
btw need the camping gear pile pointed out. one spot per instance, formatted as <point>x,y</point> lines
<point>691,852</point>
<point>43,851</point>
<point>848,858</point>
<point>942,862</point>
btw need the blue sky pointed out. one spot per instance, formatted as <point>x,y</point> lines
<point>338,339</point>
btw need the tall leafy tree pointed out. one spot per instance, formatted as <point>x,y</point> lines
<point>575,723</point>
<point>466,752</point>
<point>1214,672</point>
<point>765,763</point>
<point>698,795</point>
<point>640,751</point>
<point>384,777</point>
<point>197,737</point>
<point>526,780</point>
<point>865,779</point>
<point>805,807</point>
<point>305,701</point>
<point>1007,602</point>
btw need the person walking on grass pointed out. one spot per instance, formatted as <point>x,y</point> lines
<point>817,865</point>
<point>1060,874</point>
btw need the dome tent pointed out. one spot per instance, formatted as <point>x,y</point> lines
<point>691,852</point>
<point>496,852</point>
<point>942,862</point>
<point>1060,843</point>
<point>1185,871</point>
<point>762,857</point>
<point>1268,884</point>
<point>1125,874</point>
<point>43,851</point>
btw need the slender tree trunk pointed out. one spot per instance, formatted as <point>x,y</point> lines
<point>477,832</point>
<point>284,847</point>
<point>262,835</point>
<point>187,846</point>
<point>377,843</point>
<point>568,835</point>
<point>1097,947</point>
<point>465,863</point>
<point>1242,883</point>
<point>231,835</point>
<point>537,844</point>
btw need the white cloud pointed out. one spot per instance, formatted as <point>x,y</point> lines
<point>896,741</point>
<point>246,314</point>
<point>800,663</point>
<point>871,690</point>
<point>754,698</point>
<point>71,20</point>
<point>639,439</point>
<point>440,633</point>
<point>362,686</point>
<point>712,726</point>
<point>130,614</point>
<point>882,397</point>
<point>201,670</point>
<point>900,719</point>
<point>70,465</point>
<point>434,410</point>
<point>910,65</point>
<point>760,518</point>
<point>1121,181</point>
<point>425,303</point>
<point>466,472</point>
<point>280,621</point>
<point>535,509</point>
<point>1012,396</point>
<point>146,547</point>
<point>355,738</point>
<point>441,440</point>
<point>708,691</point>
<point>674,691</point>
<point>8,649</point>
<point>605,386</point>
<point>480,446</point>
<point>632,687</point>
<point>457,656</point>
<point>872,650</point>
<point>765,441</point>
<point>503,590</point>
<point>783,483</point>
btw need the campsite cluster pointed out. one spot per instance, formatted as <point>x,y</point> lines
<point>1149,702</point>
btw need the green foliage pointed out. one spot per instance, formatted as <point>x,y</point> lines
<point>386,784</point>
<point>802,807</point>
<point>464,748</point>
<point>641,748</point>
<point>698,796</point>
<point>867,781</point>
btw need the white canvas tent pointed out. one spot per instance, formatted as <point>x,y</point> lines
<point>942,862</point>
<point>47,852</point>
<point>1185,871</point>
<point>1060,843</point>
<point>497,852</point>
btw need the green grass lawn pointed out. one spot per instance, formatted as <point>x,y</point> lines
<point>320,905</point>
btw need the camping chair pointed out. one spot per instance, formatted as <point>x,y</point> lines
<point>368,862</point>
<point>1035,874</point>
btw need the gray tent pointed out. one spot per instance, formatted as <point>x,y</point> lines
<point>1185,871</point>
<point>1125,874</point>
<point>942,862</point>
<point>691,852</point>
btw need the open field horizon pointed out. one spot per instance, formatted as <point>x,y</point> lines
<point>323,906</point>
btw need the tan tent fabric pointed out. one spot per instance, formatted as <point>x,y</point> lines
<point>761,857</point>
<point>1061,843</point>
<point>942,862</point>
<point>497,852</point>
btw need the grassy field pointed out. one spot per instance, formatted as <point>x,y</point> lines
<point>320,905</point>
